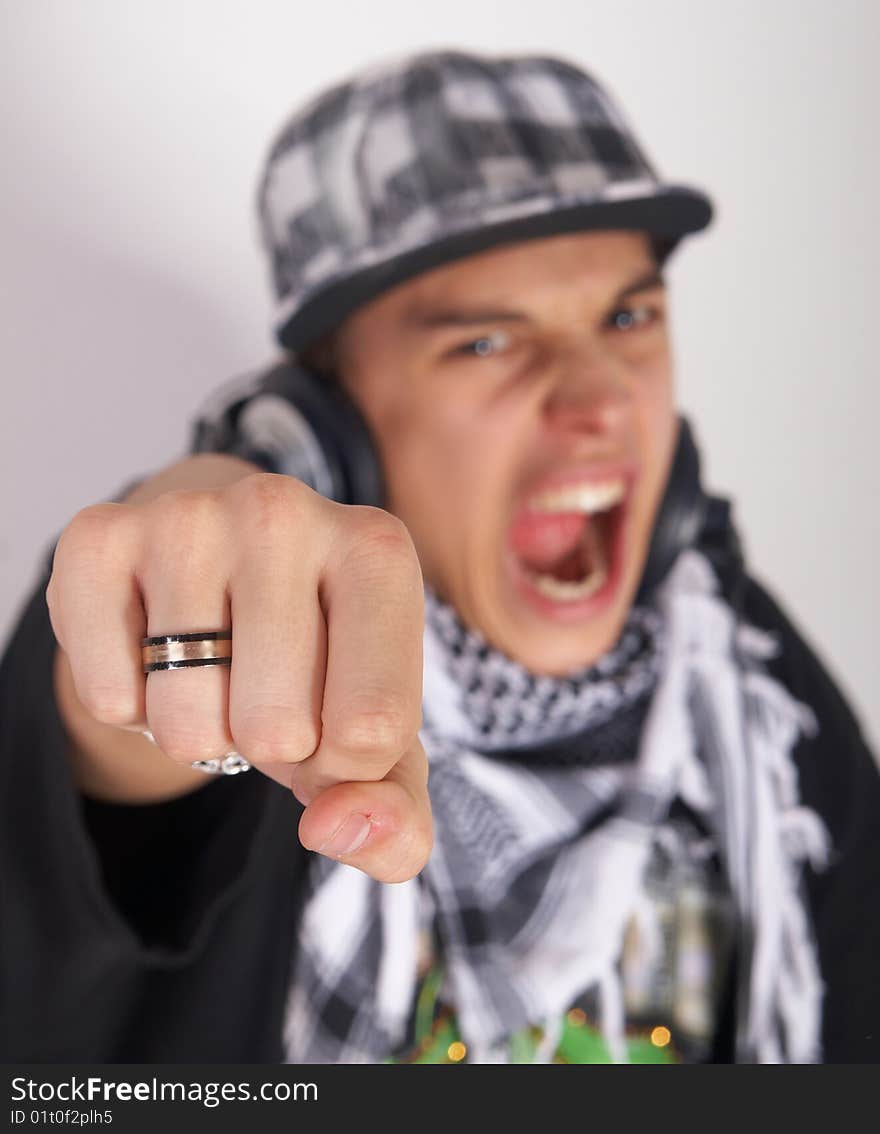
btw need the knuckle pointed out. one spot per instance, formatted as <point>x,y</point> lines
<point>276,735</point>
<point>93,536</point>
<point>272,512</point>
<point>97,519</point>
<point>270,502</point>
<point>382,542</point>
<point>374,526</point>
<point>184,514</point>
<point>186,531</point>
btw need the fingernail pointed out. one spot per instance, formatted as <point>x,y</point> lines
<point>348,838</point>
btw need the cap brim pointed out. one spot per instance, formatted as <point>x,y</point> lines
<point>669,213</point>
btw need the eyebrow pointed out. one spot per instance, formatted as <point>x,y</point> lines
<point>451,317</point>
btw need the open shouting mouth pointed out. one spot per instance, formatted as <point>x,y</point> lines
<point>568,544</point>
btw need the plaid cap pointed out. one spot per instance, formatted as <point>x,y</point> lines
<point>436,156</point>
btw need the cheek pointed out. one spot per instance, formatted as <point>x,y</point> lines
<point>658,423</point>
<point>426,470</point>
<point>436,458</point>
<point>658,417</point>
<point>446,474</point>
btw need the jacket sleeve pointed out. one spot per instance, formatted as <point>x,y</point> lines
<point>839,779</point>
<point>155,933</point>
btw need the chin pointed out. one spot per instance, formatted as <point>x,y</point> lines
<point>559,653</point>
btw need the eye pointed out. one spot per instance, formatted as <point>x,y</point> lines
<point>633,318</point>
<point>484,346</point>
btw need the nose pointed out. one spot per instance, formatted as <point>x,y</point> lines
<point>588,395</point>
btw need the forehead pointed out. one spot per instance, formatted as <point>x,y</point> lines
<point>572,263</point>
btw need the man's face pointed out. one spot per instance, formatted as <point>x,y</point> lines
<point>522,403</point>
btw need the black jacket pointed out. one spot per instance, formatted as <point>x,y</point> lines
<point>165,932</point>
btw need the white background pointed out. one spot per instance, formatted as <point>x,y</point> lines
<point>132,282</point>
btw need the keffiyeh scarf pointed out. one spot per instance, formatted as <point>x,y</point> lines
<point>549,796</point>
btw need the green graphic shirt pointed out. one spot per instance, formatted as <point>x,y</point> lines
<point>674,971</point>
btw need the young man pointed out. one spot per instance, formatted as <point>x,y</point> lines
<point>653,814</point>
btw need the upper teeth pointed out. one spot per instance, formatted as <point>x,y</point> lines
<point>579,497</point>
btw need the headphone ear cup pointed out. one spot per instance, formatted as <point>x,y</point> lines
<point>680,515</point>
<point>339,429</point>
<point>293,421</point>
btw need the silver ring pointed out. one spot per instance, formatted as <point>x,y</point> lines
<point>185,651</point>
<point>229,765</point>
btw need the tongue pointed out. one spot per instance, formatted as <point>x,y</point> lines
<point>542,541</point>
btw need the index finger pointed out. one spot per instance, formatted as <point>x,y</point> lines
<point>373,599</point>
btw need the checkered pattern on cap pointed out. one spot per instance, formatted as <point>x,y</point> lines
<point>418,162</point>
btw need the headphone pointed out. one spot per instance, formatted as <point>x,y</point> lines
<point>293,421</point>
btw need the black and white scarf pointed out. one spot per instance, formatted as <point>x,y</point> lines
<point>539,864</point>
